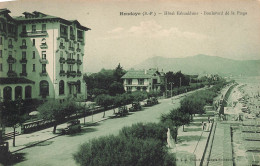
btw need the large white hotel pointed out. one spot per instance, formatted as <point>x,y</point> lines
<point>41,56</point>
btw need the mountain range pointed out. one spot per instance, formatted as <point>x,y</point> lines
<point>203,64</point>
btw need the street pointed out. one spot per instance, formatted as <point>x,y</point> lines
<point>58,151</point>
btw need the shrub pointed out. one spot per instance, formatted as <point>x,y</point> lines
<point>119,151</point>
<point>146,131</point>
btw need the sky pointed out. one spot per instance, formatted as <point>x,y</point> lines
<point>129,39</point>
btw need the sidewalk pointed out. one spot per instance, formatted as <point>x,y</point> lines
<point>27,140</point>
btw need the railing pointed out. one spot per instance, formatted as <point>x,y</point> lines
<point>72,37</point>
<point>80,39</point>
<point>43,61</point>
<point>71,48</point>
<point>71,61</point>
<point>10,46</point>
<point>43,46</point>
<point>79,61</point>
<point>23,60</point>
<point>23,47</point>
<point>23,74</point>
<point>43,74</point>
<point>62,73</point>
<point>11,74</point>
<point>62,60</point>
<point>64,35</point>
<point>62,47</point>
<point>79,73</point>
<point>11,59</point>
<point>78,50</point>
<point>34,33</point>
<point>71,73</point>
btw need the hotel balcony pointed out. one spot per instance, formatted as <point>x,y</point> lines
<point>62,73</point>
<point>24,74</point>
<point>78,50</point>
<point>43,46</point>
<point>72,48</point>
<point>43,74</point>
<point>62,60</point>
<point>33,33</point>
<point>71,74</point>
<point>11,59</point>
<point>23,60</point>
<point>11,74</point>
<point>62,47</point>
<point>71,61</point>
<point>80,39</point>
<point>79,73</point>
<point>10,46</point>
<point>44,61</point>
<point>72,37</point>
<point>23,47</point>
<point>79,61</point>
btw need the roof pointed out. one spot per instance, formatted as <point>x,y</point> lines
<point>15,80</point>
<point>4,10</point>
<point>141,73</point>
<point>39,16</point>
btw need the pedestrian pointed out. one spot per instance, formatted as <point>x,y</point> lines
<point>202,123</point>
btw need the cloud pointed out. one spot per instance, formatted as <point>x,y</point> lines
<point>151,29</point>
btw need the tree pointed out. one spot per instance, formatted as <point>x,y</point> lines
<point>11,115</point>
<point>175,118</point>
<point>118,73</point>
<point>192,105</point>
<point>116,88</point>
<point>54,110</point>
<point>104,101</point>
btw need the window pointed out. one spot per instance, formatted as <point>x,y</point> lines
<point>33,28</point>
<point>43,54</point>
<point>7,92</point>
<point>23,68</point>
<point>77,56</point>
<point>140,81</point>
<point>70,67</point>
<point>44,88</point>
<point>79,86</point>
<point>61,42</point>
<point>129,89</point>
<point>1,41</point>
<point>1,67</point>
<point>10,42</point>
<point>78,67</point>
<point>71,31</point>
<point>18,92</point>
<point>129,82</point>
<point>80,34</point>
<point>61,66</point>
<point>43,68</point>
<point>33,57</point>
<point>33,42</point>
<point>61,54</point>
<point>70,56</point>
<point>23,55</point>
<point>24,42</point>
<point>61,87</point>
<point>10,67</point>
<point>1,53</point>
<point>33,68</point>
<point>43,27</point>
<point>24,28</point>
<point>28,92</point>
<point>78,45</point>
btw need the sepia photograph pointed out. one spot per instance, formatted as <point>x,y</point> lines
<point>129,83</point>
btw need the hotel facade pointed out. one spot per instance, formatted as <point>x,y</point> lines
<point>41,56</point>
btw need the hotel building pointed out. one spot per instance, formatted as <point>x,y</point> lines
<point>41,56</point>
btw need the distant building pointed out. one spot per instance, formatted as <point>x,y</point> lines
<point>41,56</point>
<point>143,80</point>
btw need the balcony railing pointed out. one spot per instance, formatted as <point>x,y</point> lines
<point>23,74</point>
<point>71,74</point>
<point>64,35</point>
<point>11,59</point>
<point>43,46</point>
<point>34,33</point>
<point>62,60</point>
<point>71,48</point>
<point>62,73</point>
<point>43,74</point>
<point>11,74</point>
<point>23,47</point>
<point>71,61</point>
<point>10,46</point>
<point>23,60</point>
<point>79,62</point>
<point>79,73</point>
<point>80,39</point>
<point>62,47</point>
<point>44,61</point>
<point>78,50</point>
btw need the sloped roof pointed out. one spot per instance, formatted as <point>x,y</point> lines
<point>141,73</point>
<point>15,80</point>
<point>4,10</point>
